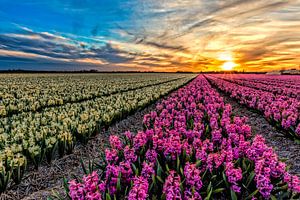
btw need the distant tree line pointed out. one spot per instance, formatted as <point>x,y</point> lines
<point>96,71</point>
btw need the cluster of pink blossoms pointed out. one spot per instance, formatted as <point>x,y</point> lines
<point>90,188</point>
<point>192,147</point>
<point>172,186</point>
<point>139,190</point>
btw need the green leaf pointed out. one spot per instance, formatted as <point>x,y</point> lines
<point>139,160</point>
<point>219,190</point>
<point>219,183</point>
<point>225,180</point>
<point>207,129</point>
<point>160,179</point>
<point>177,163</point>
<point>237,161</point>
<point>153,179</point>
<point>273,197</point>
<point>284,159</point>
<point>108,196</point>
<point>248,167</point>
<point>167,168</point>
<point>208,195</point>
<point>250,179</point>
<point>91,166</point>
<point>181,186</point>
<point>284,187</point>
<point>208,187</point>
<point>126,190</point>
<point>66,185</point>
<point>181,171</point>
<point>213,177</point>
<point>233,195</point>
<point>244,165</point>
<point>252,195</point>
<point>203,175</point>
<point>163,196</point>
<point>119,182</point>
<point>295,196</point>
<point>83,167</point>
<point>159,170</point>
<point>198,163</point>
<point>184,154</point>
<point>136,171</point>
<point>150,188</point>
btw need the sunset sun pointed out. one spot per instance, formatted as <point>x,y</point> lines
<point>229,65</point>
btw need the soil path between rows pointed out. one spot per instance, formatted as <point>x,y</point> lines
<point>286,149</point>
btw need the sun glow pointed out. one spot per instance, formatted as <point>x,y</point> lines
<point>229,65</point>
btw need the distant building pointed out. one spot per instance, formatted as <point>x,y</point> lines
<point>274,73</point>
<point>279,72</point>
<point>291,71</point>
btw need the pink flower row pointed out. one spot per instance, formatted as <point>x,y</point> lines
<point>287,81</point>
<point>192,147</point>
<point>283,111</point>
<point>276,87</point>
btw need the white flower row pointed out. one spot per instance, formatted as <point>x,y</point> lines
<point>19,94</point>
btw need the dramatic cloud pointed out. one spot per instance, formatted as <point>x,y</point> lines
<point>43,45</point>
<point>168,35</point>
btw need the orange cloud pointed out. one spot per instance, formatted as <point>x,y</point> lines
<point>91,61</point>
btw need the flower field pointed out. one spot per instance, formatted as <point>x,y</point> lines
<point>192,147</point>
<point>191,144</point>
<point>286,85</point>
<point>34,92</point>
<point>278,101</point>
<point>30,137</point>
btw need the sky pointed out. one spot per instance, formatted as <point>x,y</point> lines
<point>150,35</point>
